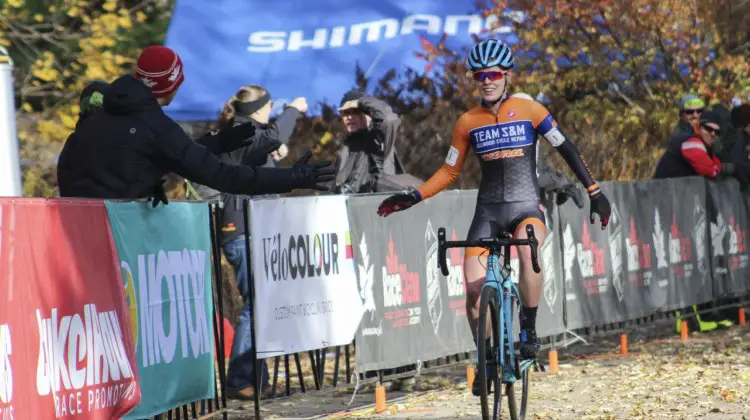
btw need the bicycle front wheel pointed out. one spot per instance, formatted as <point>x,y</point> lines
<point>518,392</point>
<point>488,315</point>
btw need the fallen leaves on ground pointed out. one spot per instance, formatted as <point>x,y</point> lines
<point>702,379</point>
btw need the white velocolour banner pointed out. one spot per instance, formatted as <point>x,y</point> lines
<point>306,293</point>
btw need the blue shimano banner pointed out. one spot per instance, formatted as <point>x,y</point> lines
<point>304,48</point>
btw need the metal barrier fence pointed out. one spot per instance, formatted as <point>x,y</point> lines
<point>595,281</point>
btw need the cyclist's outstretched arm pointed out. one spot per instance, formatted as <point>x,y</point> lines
<point>547,127</point>
<point>439,181</point>
<point>454,161</point>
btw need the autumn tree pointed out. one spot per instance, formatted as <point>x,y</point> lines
<point>613,71</point>
<point>57,48</point>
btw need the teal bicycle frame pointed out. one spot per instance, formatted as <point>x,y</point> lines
<point>499,278</point>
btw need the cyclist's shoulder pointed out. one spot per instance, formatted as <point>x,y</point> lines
<point>526,106</point>
<point>477,116</point>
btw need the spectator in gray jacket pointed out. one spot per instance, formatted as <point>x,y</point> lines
<point>369,152</point>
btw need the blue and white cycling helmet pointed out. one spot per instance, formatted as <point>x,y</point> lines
<point>489,53</point>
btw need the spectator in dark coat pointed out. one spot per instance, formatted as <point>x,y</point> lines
<point>369,152</point>
<point>692,154</point>
<point>741,143</point>
<point>124,150</point>
<point>250,105</point>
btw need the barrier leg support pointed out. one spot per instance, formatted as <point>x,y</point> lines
<point>379,399</point>
<point>553,366</point>
<point>684,330</point>
<point>742,317</point>
<point>470,371</point>
<point>623,345</point>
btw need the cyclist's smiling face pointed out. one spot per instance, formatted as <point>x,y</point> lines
<point>492,82</point>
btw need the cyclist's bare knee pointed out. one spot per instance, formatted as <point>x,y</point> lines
<point>475,272</point>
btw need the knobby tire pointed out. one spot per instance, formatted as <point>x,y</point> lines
<point>516,412</point>
<point>488,307</point>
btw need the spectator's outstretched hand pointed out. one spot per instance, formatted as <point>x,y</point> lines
<point>280,153</point>
<point>229,139</point>
<point>300,104</point>
<point>160,195</point>
<point>311,175</point>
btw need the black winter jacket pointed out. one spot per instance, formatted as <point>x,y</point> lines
<point>267,138</point>
<point>124,149</point>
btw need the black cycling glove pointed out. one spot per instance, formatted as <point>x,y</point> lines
<point>400,201</point>
<point>600,205</point>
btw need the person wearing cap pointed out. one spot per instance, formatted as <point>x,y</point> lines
<point>91,98</point>
<point>124,151</point>
<point>369,151</point>
<point>690,109</point>
<point>691,153</point>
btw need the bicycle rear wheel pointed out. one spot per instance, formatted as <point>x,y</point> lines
<point>488,308</point>
<point>518,392</point>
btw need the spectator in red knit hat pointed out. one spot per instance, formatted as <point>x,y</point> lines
<point>125,151</point>
<point>160,69</point>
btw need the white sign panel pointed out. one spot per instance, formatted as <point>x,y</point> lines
<point>306,293</point>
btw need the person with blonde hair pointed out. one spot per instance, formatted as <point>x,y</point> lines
<point>251,104</point>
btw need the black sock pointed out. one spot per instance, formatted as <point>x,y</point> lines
<point>528,318</point>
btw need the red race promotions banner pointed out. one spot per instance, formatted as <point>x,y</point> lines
<point>66,343</point>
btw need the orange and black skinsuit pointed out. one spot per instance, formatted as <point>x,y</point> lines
<point>506,146</point>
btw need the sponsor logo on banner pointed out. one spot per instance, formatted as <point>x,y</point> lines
<point>615,252</point>
<point>591,260</point>
<point>549,272</point>
<point>187,321</point>
<point>366,279</point>
<point>680,252</point>
<point>373,31</point>
<point>6,369</point>
<point>738,258</point>
<point>306,292</point>
<point>302,256</point>
<point>401,293</point>
<point>82,361</point>
<point>719,231</point>
<point>434,295</point>
<point>639,259</point>
<point>700,233</point>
